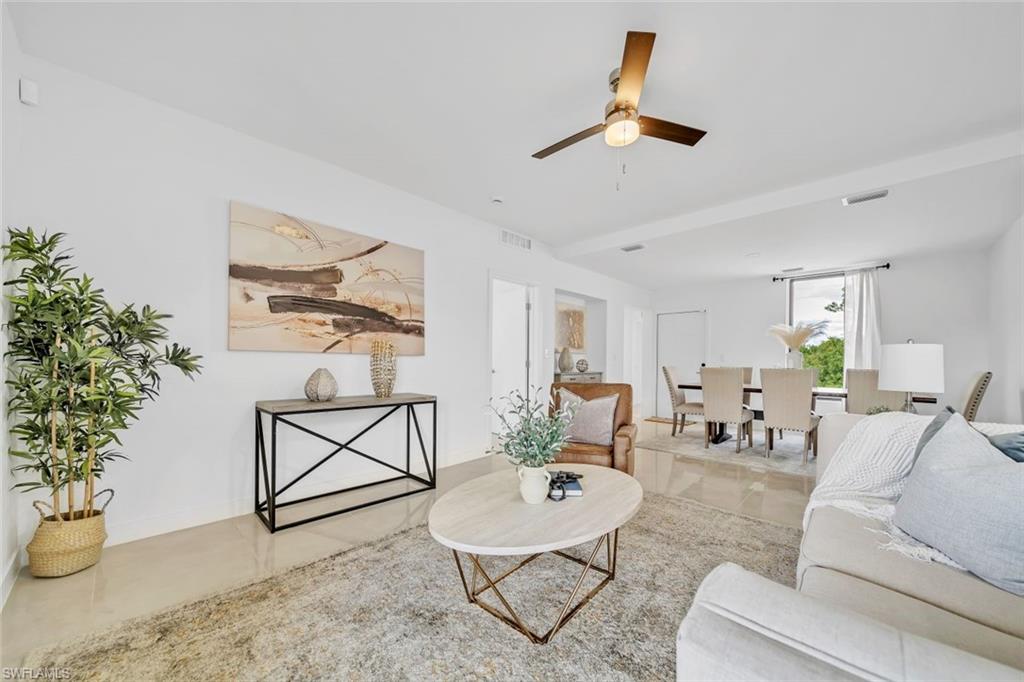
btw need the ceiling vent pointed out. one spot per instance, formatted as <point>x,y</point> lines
<point>867,196</point>
<point>793,270</point>
<point>633,247</point>
<point>516,241</point>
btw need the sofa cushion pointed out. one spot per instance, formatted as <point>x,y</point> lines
<point>1010,444</point>
<point>593,421</point>
<point>852,544</point>
<point>912,615</point>
<point>934,426</point>
<point>963,498</point>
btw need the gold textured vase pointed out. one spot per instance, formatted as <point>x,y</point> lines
<point>383,367</point>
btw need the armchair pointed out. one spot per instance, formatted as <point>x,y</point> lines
<point>622,452</point>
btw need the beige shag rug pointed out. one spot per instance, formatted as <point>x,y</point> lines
<point>395,610</point>
<point>787,454</point>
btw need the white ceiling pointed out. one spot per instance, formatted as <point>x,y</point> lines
<point>962,209</point>
<point>449,101</point>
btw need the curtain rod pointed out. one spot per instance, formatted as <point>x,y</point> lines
<point>825,273</point>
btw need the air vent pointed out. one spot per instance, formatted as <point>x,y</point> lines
<point>516,241</point>
<point>867,196</point>
<point>633,247</point>
<point>792,269</point>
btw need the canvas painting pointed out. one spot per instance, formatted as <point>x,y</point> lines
<point>298,285</point>
<point>570,320</point>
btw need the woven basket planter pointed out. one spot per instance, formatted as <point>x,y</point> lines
<point>63,546</point>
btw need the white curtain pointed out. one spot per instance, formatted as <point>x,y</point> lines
<point>862,320</point>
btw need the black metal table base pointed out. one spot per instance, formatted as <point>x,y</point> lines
<point>266,509</point>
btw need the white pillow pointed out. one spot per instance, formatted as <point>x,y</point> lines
<point>593,421</point>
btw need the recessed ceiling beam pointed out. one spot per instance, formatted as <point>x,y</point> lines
<point>885,175</point>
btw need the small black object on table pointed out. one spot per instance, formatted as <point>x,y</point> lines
<point>282,411</point>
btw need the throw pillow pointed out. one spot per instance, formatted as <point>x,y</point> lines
<point>933,427</point>
<point>1010,444</point>
<point>593,421</point>
<point>959,499</point>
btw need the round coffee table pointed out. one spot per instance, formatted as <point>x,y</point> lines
<point>487,517</point>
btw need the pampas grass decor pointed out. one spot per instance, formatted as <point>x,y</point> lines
<point>793,337</point>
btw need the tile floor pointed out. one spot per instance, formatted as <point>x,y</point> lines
<point>140,577</point>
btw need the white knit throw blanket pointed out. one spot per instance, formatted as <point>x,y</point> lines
<point>867,473</point>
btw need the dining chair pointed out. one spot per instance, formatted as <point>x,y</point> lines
<point>974,397</point>
<point>862,393</point>
<point>787,396</point>
<point>723,403</point>
<point>680,408</point>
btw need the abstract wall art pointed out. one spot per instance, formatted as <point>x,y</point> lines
<point>570,326</point>
<point>297,285</point>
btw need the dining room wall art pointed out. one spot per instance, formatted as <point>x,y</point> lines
<point>299,285</point>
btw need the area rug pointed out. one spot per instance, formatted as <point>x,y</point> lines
<point>395,610</point>
<point>787,453</point>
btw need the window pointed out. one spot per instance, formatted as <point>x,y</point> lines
<point>821,299</point>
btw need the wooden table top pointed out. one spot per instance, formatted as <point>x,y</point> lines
<point>345,402</point>
<point>818,392</point>
<point>487,515</point>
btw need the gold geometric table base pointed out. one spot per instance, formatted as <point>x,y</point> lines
<point>609,540</point>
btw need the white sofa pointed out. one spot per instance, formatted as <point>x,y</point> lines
<point>861,612</point>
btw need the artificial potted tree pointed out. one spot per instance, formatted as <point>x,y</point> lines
<point>79,370</point>
<point>532,434</point>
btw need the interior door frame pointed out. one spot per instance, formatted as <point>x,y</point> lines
<point>532,328</point>
<point>658,378</point>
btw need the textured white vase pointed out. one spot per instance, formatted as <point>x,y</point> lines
<point>533,484</point>
<point>321,386</point>
<point>565,361</point>
<point>794,360</point>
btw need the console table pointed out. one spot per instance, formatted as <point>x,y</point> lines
<point>284,411</point>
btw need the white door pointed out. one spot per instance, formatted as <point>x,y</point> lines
<point>633,355</point>
<point>510,334</point>
<point>681,338</point>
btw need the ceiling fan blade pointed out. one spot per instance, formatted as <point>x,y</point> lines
<point>558,146</point>
<point>673,132</point>
<point>635,58</point>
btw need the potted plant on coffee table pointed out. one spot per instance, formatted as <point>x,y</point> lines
<point>532,434</point>
<point>79,371</point>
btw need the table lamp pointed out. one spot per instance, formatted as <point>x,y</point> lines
<point>911,368</point>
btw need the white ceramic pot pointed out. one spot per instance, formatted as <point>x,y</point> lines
<point>794,359</point>
<point>533,484</point>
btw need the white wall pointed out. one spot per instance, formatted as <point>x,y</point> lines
<point>143,192</point>
<point>9,150</point>
<point>934,298</point>
<point>1006,317</point>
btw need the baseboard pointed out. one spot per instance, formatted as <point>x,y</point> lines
<point>11,568</point>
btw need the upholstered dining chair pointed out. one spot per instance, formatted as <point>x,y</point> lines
<point>787,396</point>
<point>723,403</point>
<point>974,397</point>
<point>862,393</point>
<point>680,408</point>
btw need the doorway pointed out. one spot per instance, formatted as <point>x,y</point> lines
<point>633,355</point>
<point>681,344</point>
<point>511,341</point>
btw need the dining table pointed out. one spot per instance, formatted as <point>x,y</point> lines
<point>823,392</point>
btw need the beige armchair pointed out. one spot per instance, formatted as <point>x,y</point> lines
<point>787,396</point>
<point>680,408</point>
<point>975,396</point>
<point>723,403</point>
<point>621,454</point>
<point>862,392</point>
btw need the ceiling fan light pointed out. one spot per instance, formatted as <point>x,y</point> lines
<point>621,128</point>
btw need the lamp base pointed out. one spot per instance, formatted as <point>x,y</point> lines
<point>909,405</point>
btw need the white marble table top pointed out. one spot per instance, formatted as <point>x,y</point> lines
<point>487,515</point>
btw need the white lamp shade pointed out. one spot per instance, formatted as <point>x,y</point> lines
<point>911,367</point>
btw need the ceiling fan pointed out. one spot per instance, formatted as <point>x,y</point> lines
<point>622,122</point>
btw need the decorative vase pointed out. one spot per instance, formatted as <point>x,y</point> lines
<point>383,368</point>
<point>533,484</point>
<point>565,360</point>
<point>62,546</point>
<point>321,386</point>
<point>794,360</point>
<point>582,365</point>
